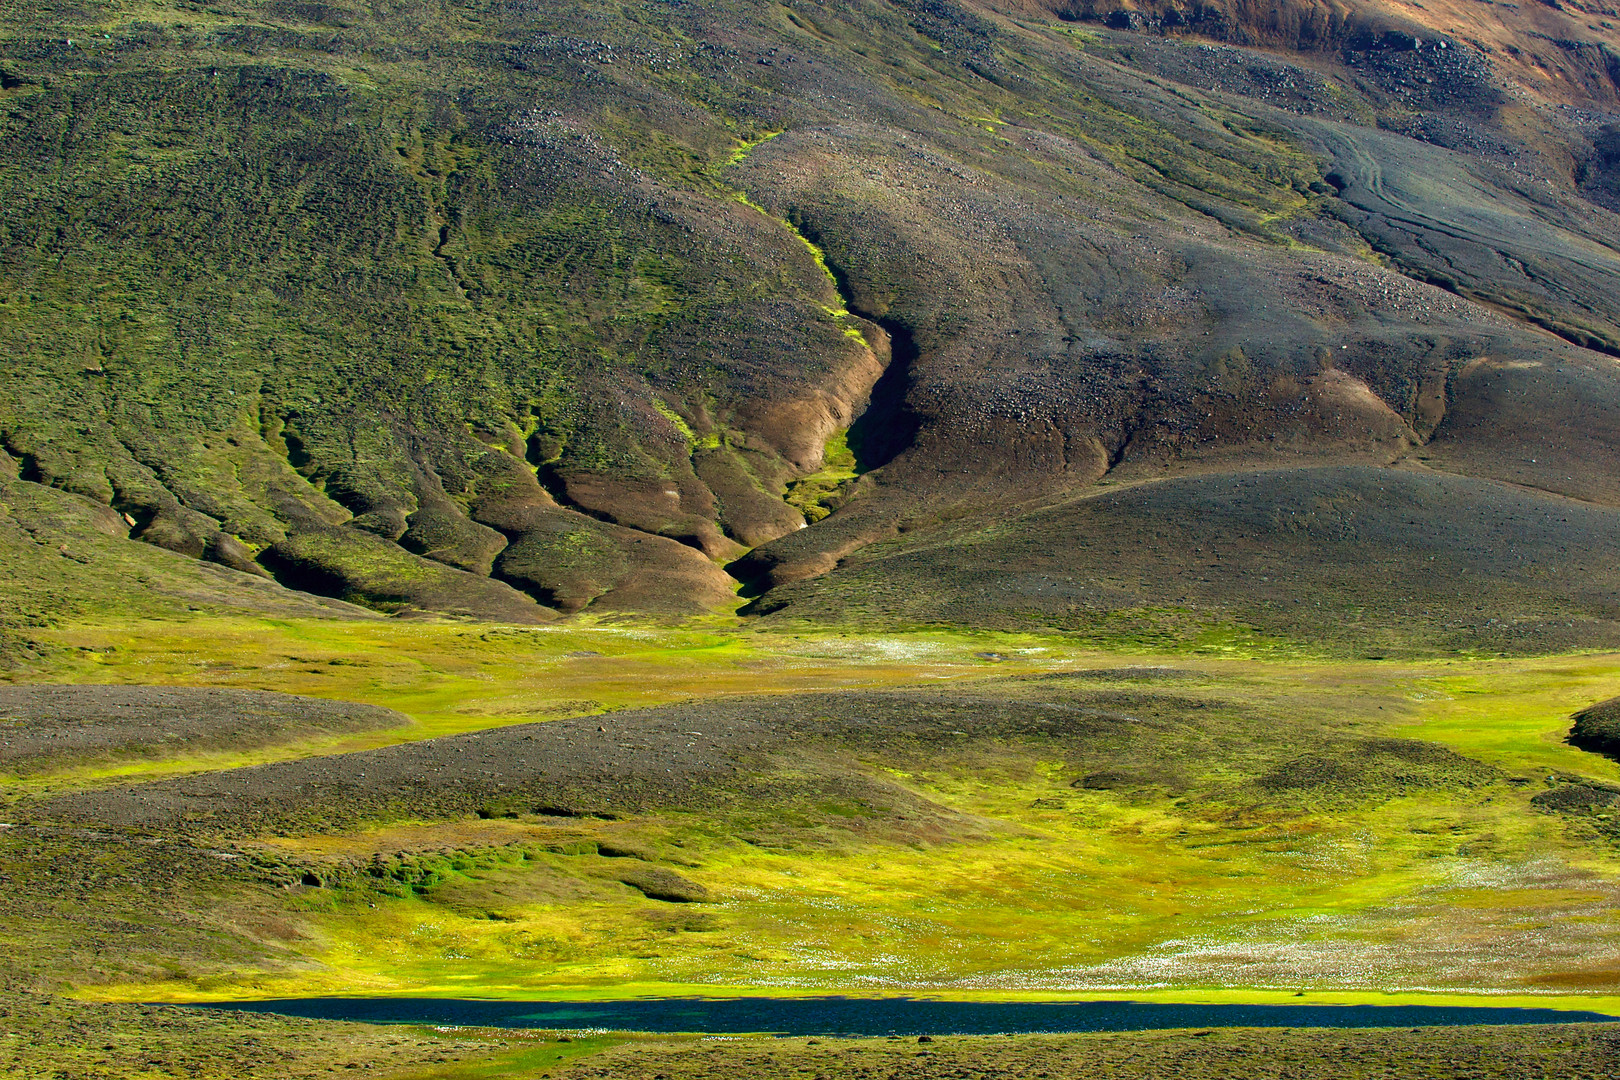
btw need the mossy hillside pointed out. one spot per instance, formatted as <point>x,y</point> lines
<point>399,154</point>
<point>64,554</point>
<point>271,273</point>
<point>244,331</point>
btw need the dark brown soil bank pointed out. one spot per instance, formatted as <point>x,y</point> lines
<point>1597,728</point>
<point>47,727</point>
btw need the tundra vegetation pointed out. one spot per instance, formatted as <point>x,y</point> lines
<point>910,496</point>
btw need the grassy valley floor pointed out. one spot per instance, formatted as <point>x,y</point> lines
<point>620,808</point>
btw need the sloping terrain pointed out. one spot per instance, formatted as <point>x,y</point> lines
<point>1343,556</point>
<point>511,311</point>
<point>637,760</point>
<point>1218,331</point>
<point>1596,728</point>
<point>1019,815</point>
<point>50,727</point>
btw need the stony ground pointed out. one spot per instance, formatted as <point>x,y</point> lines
<point>45,727</point>
<point>688,297</point>
<point>1577,1052</point>
<point>680,755</point>
<point>1359,559</point>
<point>44,1038</point>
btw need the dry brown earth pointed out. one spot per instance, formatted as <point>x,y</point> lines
<point>52,727</point>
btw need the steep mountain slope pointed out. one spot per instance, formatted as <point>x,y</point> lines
<point>511,310</point>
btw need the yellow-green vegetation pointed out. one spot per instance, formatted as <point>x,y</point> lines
<point>1263,836</point>
<point>455,677</point>
<point>678,422</point>
<point>423,356</point>
<point>824,490</point>
<point>521,1053</point>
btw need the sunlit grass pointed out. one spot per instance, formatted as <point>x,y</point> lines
<point>527,1054</point>
<point>1020,883</point>
<point>1515,713</point>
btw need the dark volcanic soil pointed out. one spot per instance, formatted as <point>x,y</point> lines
<point>773,750</point>
<point>1394,558</point>
<point>1568,1053</point>
<point>1003,260</point>
<point>47,727</point>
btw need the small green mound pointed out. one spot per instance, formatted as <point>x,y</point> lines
<point>657,883</point>
<point>1366,768</point>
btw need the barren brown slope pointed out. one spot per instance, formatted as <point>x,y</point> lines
<point>571,339</point>
<point>1341,557</point>
<point>49,728</point>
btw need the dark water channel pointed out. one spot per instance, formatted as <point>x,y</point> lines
<point>889,1016</point>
